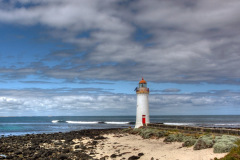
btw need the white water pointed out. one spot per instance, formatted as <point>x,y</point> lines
<point>83,122</point>
<point>117,122</point>
<point>54,121</point>
<point>180,124</point>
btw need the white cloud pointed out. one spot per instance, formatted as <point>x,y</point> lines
<point>44,102</point>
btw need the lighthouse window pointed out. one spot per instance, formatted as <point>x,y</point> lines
<point>142,85</point>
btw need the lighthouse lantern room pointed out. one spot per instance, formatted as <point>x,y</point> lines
<point>142,117</point>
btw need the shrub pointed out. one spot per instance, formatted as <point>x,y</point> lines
<point>171,138</point>
<point>223,147</point>
<point>160,134</point>
<point>224,143</point>
<point>189,141</point>
<point>147,133</point>
<point>206,141</point>
<point>135,131</point>
<point>127,130</point>
<point>234,154</point>
<point>176,138</point>
<point>150,132</point>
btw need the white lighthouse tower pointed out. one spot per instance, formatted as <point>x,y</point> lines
<point>142,117</point>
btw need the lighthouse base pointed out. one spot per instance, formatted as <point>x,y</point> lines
<point>137,125</point>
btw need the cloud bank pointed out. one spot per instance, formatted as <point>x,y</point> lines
<point>166,41</point>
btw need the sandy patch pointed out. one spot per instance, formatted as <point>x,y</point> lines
<point>127,145</point>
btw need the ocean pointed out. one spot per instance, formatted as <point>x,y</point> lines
<point>36,125</point>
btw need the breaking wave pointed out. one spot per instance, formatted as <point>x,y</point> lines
<point>117,122</point>
<point>91,122</point>
<point>180,124</point>
<point>58,121</point>
<point>83,122</point>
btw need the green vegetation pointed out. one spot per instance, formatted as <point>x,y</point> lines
<point>234,154</point>
<point>220,144</point>
<point>206,141</point>
<point>147,132</point>
<point>189,141</point>
<point>225,143</point>
<point>179,137</point>
<point>171,136</point>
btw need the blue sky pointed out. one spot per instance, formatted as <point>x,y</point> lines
<point>82,57</point>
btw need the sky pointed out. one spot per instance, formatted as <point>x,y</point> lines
<point>86,57</point>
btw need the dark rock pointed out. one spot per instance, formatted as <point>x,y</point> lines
<point>83,147</point>
<point>28,146</point>
<point>77,146</point>
<point>113,156</point>
<point>94,142</point>
<point>58,143</point>
<point>99,138</point>
<point>140,154</point>
<point>63,156</point>
<point>31,148</point>
<point>133,157</point>
<point>71,143</point>
<point>68,140</point>
<point>92,154</point>
<point>26,152</point>
<point>65,146</point>
<point>9,157</point>
<point>90,147</point>
<point>84,156</point>
<point>66,150</point>
<point>36,156</point>
<point>36,141</point>
<point>48,153</point>
<point>18,152</point>
<point>124,153</point>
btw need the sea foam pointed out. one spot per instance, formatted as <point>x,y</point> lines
<point>180,124</point>
<point>117,122</point>
<point>83,122</point>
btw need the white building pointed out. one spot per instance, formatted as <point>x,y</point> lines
<point>142,117</point>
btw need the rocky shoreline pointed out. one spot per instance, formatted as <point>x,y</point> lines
<point>102,144</point>
<point>70,145</point>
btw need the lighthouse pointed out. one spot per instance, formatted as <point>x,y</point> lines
<point>142,117</point>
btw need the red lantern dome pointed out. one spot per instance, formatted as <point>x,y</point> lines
<point>142,81</point>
